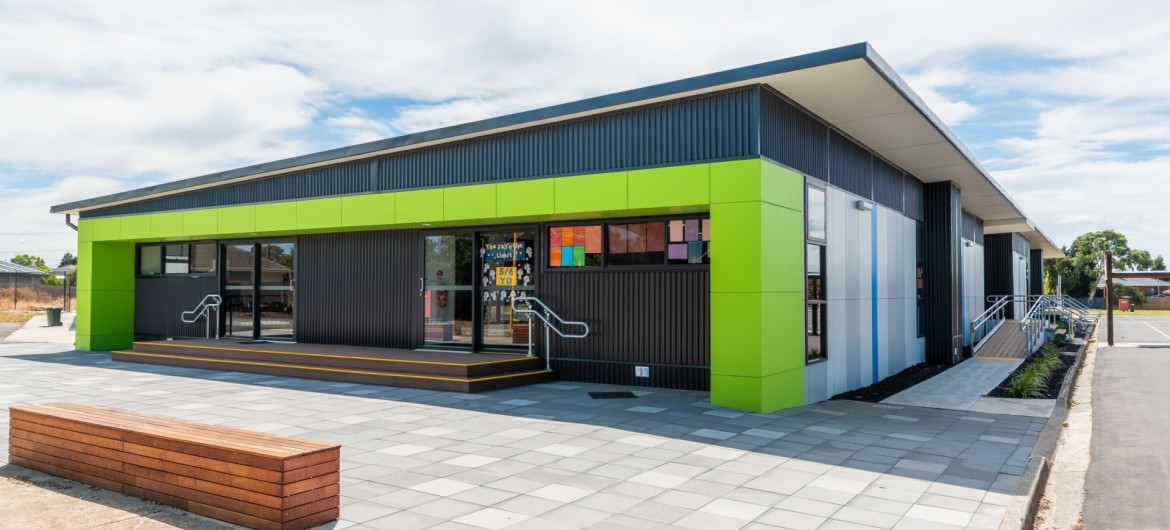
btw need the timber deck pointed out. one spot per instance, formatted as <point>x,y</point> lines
<point>448,371</point>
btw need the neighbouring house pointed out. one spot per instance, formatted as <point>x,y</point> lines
<point>1148,286</point>
<point>12,274</point>
<point>773,234</point>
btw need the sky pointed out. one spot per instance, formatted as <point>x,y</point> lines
<point>1064,103</point>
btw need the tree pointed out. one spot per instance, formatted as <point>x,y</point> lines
<point>68,259</point>
<point>32,262</point>
<point>1084,262</point>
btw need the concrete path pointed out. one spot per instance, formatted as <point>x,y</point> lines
<point>963,387</point>
<point>1129,474</point>
<point>550,456</point>
<point>37,329</point>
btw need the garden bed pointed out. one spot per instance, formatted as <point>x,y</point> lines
<point>898,382</point>
<point>1048,391</point>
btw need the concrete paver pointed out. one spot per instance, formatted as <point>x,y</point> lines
<point>550,456</point>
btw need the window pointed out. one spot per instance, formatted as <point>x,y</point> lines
<point>177,258</point>
<point>656,242</point>
<point>574,246</point>
<point>816,299</point>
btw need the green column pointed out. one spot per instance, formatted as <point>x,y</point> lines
<point>105,295</point>
<point>757,292</point>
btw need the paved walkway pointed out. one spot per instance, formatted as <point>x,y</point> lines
<point>963,388</point>
<point>549,456</point>
<point>37,329</point>
<point>1128,474</point>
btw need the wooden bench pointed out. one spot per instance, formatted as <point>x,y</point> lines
<point>251,479</point>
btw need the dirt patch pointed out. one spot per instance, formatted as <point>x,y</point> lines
<point>898,382</point>
<point>1004,390</point>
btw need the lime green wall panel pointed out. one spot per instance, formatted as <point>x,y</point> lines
<point>367,210</point>
<point>135,227</point>
<point>316,214</point>
<point>781,186</point>
<point>166,225</point>
<point>736,332</point>
<point>783,390</point>
<point>782,332</point>
<point>735,247</point>
<point>591,193</point>
<point>737,181</point>
<point>107,229</point>
<point>105,342</point>
<point>463,203</point>
<point>276,217</point>
<point>111,312</point>
<point>419,206</point>
<point>669,186</point>
<point>84,265</point>
<point>84,230</point>
<point>200,223</point>
<point>759,394</point>
<point>526,197</point>
<point>82,305</point>
<point>236,219</point>
<point>110,267</point>
<point>781,249</point>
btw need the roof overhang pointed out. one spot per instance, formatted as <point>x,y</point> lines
<point>852,88</point>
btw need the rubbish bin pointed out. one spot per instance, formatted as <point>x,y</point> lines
<point>1123,304</point>
<point>54,315</point>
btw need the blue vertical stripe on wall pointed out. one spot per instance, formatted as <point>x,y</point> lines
<point>873,283</point>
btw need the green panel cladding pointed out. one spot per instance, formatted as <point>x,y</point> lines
<point>757,270</point>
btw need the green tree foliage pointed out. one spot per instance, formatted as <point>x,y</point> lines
<point>1135,295</point>
<point>1084,262</point>
<point>68,259</point>
<point>34,262</point>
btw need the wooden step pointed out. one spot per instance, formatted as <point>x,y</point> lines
<point>361,359</point>
<point>449,383</point>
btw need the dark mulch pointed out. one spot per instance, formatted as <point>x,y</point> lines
<point>898,382</point>
<point>1054,382</point>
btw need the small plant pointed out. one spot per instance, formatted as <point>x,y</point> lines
<point>1033,380</point>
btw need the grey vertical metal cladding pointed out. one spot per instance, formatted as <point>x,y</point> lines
<point>160,301</point>
<point>359,288</point>
<point>793,137</point>
<point>998,265</point>
<point>720,126</point>
<point>849,166</point>
<point>654,318</point>
<point>915,198</point>
<point>888,185</point>
<point>1036,279</point>
<point>972,228</point>
<point>336,180</point>
<point>943,239</point>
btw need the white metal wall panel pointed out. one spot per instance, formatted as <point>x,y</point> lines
<point>973,283</point>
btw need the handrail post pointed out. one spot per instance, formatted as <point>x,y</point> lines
<point>547,344</point>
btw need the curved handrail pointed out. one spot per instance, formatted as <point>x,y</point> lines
<point>532,300</point>
<point>200,311</point>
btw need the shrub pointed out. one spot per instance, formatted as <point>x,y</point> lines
<point>1032,381</point>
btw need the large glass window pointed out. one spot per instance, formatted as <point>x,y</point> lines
<point>816,299</point>
<point>655,242</point>
<point>176,258</point>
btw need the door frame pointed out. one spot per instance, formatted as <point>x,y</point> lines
<point>477,289</point>
<point>256,281</point>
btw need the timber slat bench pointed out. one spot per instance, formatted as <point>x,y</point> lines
<point>248,478</point>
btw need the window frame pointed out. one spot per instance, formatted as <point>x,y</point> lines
<point>163,259</point>
<point>606,265</point>
<point>823,302</point>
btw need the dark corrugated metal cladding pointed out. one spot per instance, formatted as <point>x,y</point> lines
<point>888,185</point>
<point>706,128</point>
<point>160,301</point>
<point>793,137</point>
<point>359,289</point>
<point>972,227</point>
<point>915,199</point>
<point>659,319</point>
<point>849,166</point>
<point>1036,272</point>
<point>942,231</point>
<point>998,267</point>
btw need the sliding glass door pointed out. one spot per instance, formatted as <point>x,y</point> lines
<point>260,290</point>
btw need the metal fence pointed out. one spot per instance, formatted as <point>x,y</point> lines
<point>35,297</point>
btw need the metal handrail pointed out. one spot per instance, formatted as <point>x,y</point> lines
<point>1032,325</point>
<point>993,316</point>
<point>209,303</point>
<point>546,315</point>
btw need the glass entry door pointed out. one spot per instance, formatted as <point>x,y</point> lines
<point>259,290</point>
<point>469,279</point>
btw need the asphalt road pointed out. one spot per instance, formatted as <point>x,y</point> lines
<point>1139,329</point>
<point>1129,474</point>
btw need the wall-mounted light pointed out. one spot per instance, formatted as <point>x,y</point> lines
<point>863,205</point>
<point>968,243</point>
